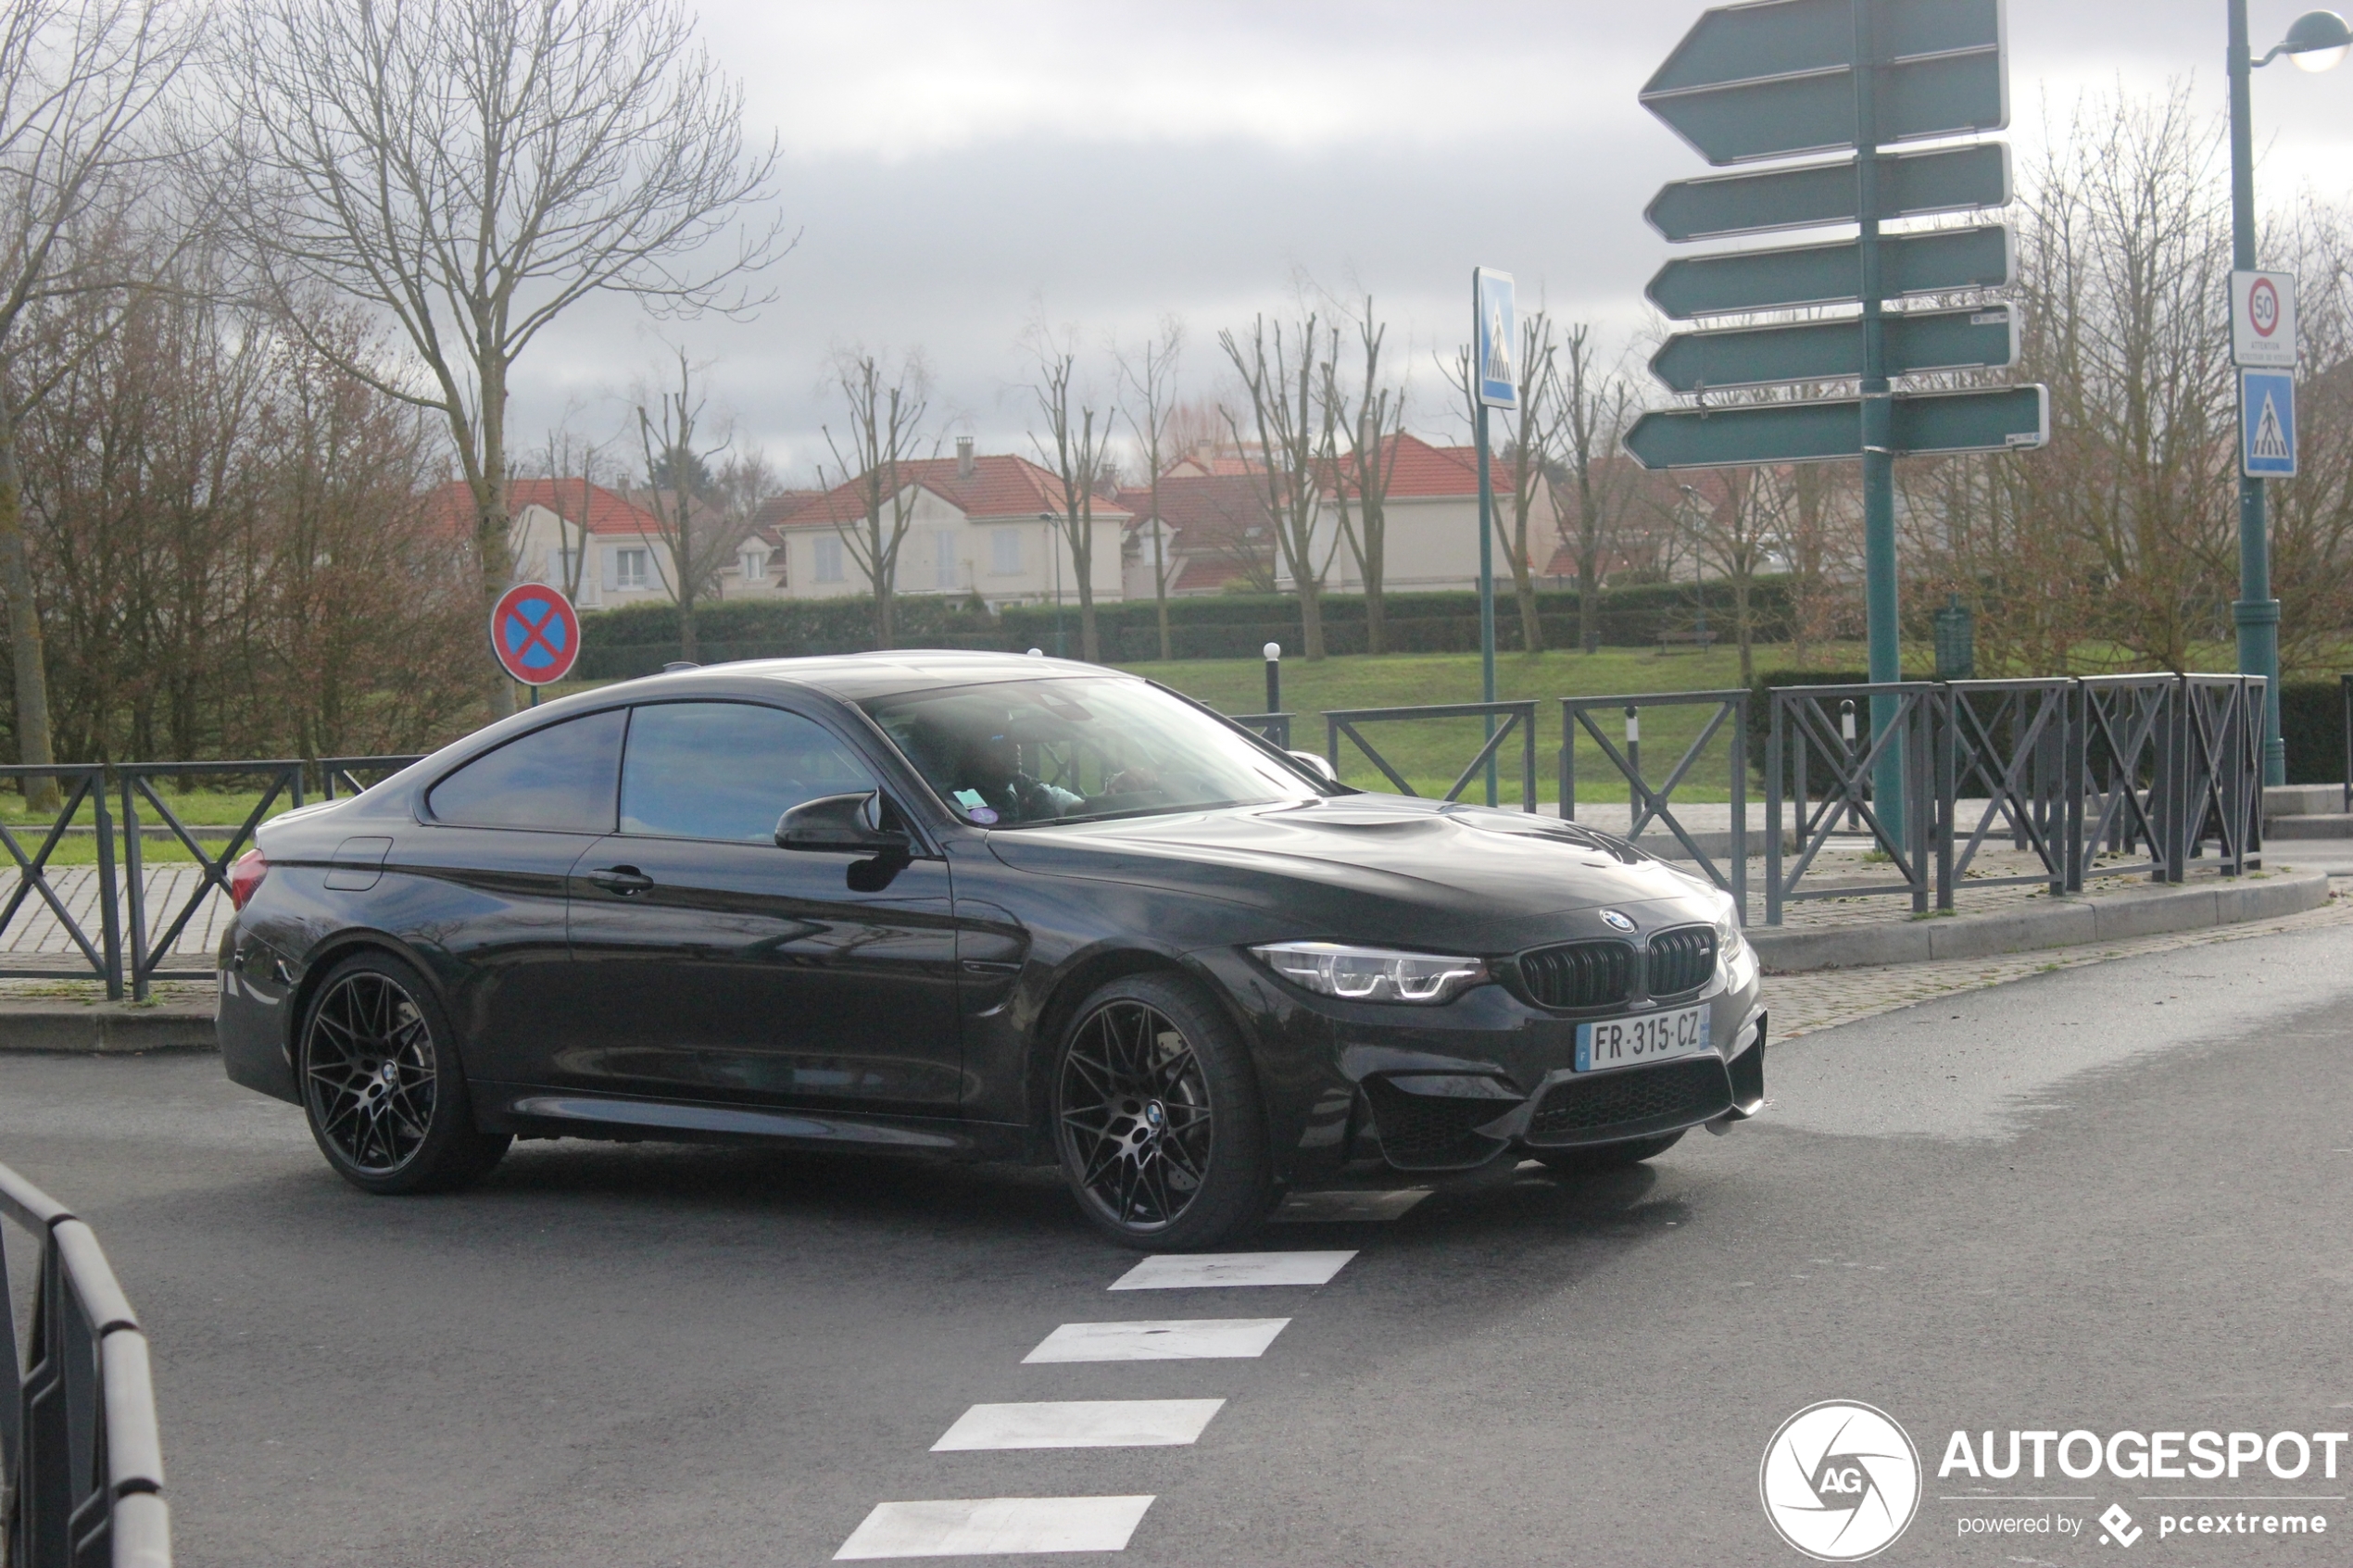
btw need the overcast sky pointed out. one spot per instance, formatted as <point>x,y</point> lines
<point>961,171</point>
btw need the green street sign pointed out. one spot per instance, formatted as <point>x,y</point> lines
<point>1934,262</point>
<point>1771,79</point>
<point>2009,419</point>
<point>1918,340</point>
<point>1810,195</point>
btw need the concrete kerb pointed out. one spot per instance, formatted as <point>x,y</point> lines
<point>2060,923</point>
<point>109,1028</point>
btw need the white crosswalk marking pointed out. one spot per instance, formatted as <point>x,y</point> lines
<point>1315,1208</point>
<point>1208,1269</point>
<point>1178,1339</point>
<point>979,1527</point>
<point>1081,1424</point>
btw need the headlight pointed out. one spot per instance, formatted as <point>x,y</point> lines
<point>1372,974</point>
<point>1735,959</point>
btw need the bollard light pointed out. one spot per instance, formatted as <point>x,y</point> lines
<point>1036,653</point>
<point>1846,722</point>
<point>1634,725</point>
<point>1274,652</point>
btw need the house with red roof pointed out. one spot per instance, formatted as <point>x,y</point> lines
<point>603,547</point>
<point>984,524</point>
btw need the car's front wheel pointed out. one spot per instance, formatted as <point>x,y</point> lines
<point>1608,1156</point>
<point>381,1083</point>
<point>1157,1118</point>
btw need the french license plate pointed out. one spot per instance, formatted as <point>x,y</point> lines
<point>1630,1042</point>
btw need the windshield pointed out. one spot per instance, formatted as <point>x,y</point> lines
<point>1021,752</point>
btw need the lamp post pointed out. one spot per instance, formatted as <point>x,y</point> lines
<point>1053,547</point>
<point>2315,41</point>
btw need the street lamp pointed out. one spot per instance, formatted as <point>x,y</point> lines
<point>1054,546</point>
<point>2317,41</point>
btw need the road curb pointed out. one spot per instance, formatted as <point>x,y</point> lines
<point>104,1028</point>
<point>2057,923</point>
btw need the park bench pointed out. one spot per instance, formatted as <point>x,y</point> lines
<point>1691,639</point>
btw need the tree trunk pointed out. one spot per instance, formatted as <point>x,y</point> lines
<point>687,647</point>
<point>491,522</point>
<point>1160,572</point>
<point>1740,622</point>
<point>1311,617</point>
<point>1376,528</point>
<point>34,744</point>
<point>1588,600</point>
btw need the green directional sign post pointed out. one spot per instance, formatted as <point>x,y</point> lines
<point>1782,79</point>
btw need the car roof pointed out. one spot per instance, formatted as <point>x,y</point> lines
<point>855,677</point>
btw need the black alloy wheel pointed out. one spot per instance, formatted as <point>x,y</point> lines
<point>1157,1118</point>
<point>385,1096</point>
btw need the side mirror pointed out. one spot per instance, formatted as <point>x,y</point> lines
<point>841,824</point>
<point>1315,763</point>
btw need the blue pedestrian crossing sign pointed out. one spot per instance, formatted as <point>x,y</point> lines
<point>1495,339</point>
<point>2267,424</point>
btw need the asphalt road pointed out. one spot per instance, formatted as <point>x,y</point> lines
<point>2104,1198</point>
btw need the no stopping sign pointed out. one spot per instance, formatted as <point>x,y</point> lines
<point>535,633</point>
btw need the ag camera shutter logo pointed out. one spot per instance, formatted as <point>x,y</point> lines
<point>1840,1480</point>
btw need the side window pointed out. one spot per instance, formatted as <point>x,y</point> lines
<point>560,778</point>
<point>728,769</point>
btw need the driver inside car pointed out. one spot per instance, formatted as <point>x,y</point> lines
<point>990,769</point>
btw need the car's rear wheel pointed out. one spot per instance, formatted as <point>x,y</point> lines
<point>1157,1118</point>
<point>381,1083</point>
<point>1608,1156</point>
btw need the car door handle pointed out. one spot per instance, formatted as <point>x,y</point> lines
<point>623,880</point>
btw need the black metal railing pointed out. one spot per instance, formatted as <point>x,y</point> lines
<point>339,776</point>
<point>1818,762</point>
<point>2121,738</point>
<point>77,1434</point>
<point>2345,683</point>
<point>84,784</point>
<point>2071,769</point>
<point>1520,719</point>
<point>2007,742</point>
<point>1647,804</point>
<point>145,959</point>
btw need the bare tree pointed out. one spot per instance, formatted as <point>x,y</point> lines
<point>571,469</point>
<point>1732,514</point>
<point>886,412</point>
<point>687,519</point>
<point>1597,407</point>
<point>1370,429</point>
<point>472,169</point>
<point>1074,448</point>
<point>78,82</point>
<point>1292,427</point>
<point>1150,409</point>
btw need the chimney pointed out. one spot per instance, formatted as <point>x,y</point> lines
<point>964,465</point>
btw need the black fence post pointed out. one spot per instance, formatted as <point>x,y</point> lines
<point>1773,808</point>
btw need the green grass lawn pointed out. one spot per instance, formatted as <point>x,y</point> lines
<point>1431,753</point>
<point>197,808</point>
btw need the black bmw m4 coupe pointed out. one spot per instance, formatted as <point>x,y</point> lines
<point>977,906</point>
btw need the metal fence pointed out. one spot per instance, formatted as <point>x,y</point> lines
<point>1520,719</point>
<point>78,1432</point>
<point>122,930</point>
<point>1646,804</point>
<point>2082,772</point>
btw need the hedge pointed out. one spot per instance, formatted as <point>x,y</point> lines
<point>640,639</point>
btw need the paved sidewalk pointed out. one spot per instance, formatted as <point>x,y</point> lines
<point>1802,1004</point>
<point>35,938</point>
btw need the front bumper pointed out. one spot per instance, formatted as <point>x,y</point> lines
<point>1446,1088</point>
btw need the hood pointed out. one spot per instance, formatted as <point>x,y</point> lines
<point>1351,861</point>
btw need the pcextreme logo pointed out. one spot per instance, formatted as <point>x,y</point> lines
<point>1840,1480</point>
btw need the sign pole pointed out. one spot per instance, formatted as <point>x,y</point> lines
<point>1882,612</point>
<point>2256,613</point>
<point>1487,590</point>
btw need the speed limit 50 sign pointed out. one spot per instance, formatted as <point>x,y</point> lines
<point>2263,319</point>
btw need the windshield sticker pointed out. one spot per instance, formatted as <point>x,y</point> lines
<point>968,798</point>
<point>980,814</point>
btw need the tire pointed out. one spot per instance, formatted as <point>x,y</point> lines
<point>380,1083</point>
<point>1157,1118</point>
<point>1608,1156</point>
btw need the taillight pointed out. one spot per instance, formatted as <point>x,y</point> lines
<point>245,877</point>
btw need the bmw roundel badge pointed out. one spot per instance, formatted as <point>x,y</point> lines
<point>1617,922</point>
